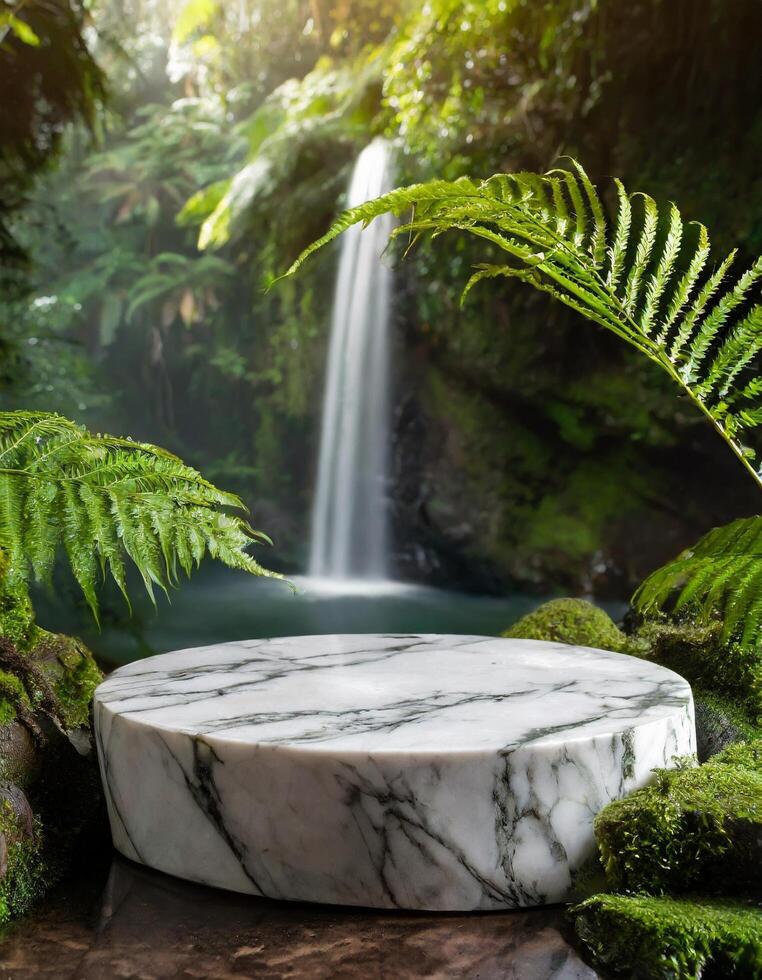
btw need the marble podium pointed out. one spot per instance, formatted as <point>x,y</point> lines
<point>418,772</point>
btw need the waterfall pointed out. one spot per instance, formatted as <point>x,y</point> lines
<point>349,521</point>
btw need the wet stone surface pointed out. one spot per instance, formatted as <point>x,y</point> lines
<point>128,922</point>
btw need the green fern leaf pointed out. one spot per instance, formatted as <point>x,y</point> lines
<point>686,284</point>
<point>102,500</point>
<point>722,573</point>
<point>661,300</point>
<point>715,320</point>
<point>553,228</point>
<point>660,278</point>
<point>618,248</point>
<point>643,251</point>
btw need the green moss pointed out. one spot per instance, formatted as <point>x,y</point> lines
<point>25,877</point>
<point>570,621</point>
<point>17,617</point>
<point>12,694</point>
<point>75,677</point>
<point>574,520</point>
<point>16,612</point>
<point>696,651</point>
<point>646,937</point>
<point>692,829</point>
<point>745,754</point>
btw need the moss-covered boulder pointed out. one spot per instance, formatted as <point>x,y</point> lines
<point>50,796</point>
<point>23,869</point>
<point>693,829</point>
<point>720,722</point>
<point>647,937</point>
<point>699,653</point>
<point>573,621</point>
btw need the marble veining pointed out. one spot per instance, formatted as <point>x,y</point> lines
<point>401,771</point>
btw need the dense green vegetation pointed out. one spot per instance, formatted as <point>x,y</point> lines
<point>98,498</point>
<point>566,454</point>
<point>645,279</point>
<point>50,79</point>
<point>102,500</point>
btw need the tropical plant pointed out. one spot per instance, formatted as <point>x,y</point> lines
<point>330,106</point>
<point>49,79</point>
<point>722,571</point>
<point>104,500</point>
<point>647,278</point>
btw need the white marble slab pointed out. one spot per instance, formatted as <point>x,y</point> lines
<point>419,772</point>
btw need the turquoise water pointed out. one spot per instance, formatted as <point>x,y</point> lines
<point>219,605</point>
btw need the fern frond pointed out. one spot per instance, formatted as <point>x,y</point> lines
<point>660,278</point>
<point>722,573</point>
<point>103,500</point>
<point>643,251</point>
<point>718,317</point>
<point>687,325</point>
<point>598,230</point>
<point>685,285</point>
<point>618,248</point>
<point>643,276</point>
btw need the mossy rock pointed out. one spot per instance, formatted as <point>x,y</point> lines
<point>573,621</point>
<point>47,757</point>
<point>697,652</point>
<point>720,722</point>
<point>646,937</point>
<point>72,673</point>
<point>23,868</point>
<point>13,696</point>
<point>693,829</point>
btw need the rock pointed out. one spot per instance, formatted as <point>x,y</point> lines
<point>692,829</point>
<point>573,621</point>
<point>699,653</point>
<point>645,937</point>
<point>19,759</point>
<point>71,671</point>
<point>50,796</point>
<point>15,802</point>
<point>23,872</point>
<point>720,722</point>
<point>726,678</point>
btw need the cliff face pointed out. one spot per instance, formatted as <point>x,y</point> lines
<point>533,451</point>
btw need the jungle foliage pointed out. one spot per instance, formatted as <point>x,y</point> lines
<point>103,499</point>
<point>648,279</point>
<point>645,279</point>
<point>49,79</point>
<point>98,498</point>
<point>233,127</point>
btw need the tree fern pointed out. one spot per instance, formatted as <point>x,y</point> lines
<point>645,276</point>
<point>107,501</point>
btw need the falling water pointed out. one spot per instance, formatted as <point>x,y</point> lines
<point>349,522</point>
